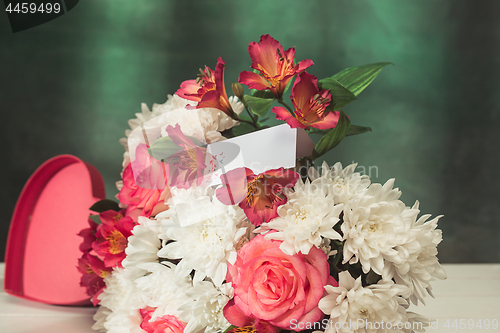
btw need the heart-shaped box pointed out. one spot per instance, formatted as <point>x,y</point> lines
<point>43,244</point>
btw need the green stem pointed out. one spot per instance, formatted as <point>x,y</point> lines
<point>253,123</point>
<point>281,101</point>
<point>252,116</point>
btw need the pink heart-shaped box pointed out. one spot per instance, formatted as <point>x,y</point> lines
<point>43,244</point>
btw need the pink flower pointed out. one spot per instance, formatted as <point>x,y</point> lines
<point>93,273</point>
<point>88,235</point>
<point>112,237</point>
<point>310,105</point>
<point>186,166</point>
<point>275,287</point>
<point>258,195</point>
<point>275,66</point>
<point>147,194</point>
<point>208,90</point>
<point>164,324</point>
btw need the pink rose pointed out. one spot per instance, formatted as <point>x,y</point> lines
<point>270,286</point>
<point>164,324</point>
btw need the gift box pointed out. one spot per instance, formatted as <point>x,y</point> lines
<point>43,242</point>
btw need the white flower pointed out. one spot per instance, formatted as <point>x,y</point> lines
<point>351,303</point>
<point>420,264</point>
<point>307,216</point>
<point>164,290</point>
<point>374,228</point>
<point>226,122</point>
<point>344,185</point>
<point>204,233</point>
<point>206,307</point>
<point>143,245</point>
<point>121,302</point>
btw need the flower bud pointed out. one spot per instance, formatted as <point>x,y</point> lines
<point>237,90</point>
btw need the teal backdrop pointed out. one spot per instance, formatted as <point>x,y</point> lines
<point>70,85</point>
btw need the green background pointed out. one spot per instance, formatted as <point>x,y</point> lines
<point>70,85</point>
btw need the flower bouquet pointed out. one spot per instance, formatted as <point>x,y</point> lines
<point>202,242</point>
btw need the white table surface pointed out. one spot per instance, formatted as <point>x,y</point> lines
<point>472,291</point>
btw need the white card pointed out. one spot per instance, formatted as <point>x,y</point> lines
<point>270,148</point>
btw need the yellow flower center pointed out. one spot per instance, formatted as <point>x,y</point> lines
<point>117,242</point>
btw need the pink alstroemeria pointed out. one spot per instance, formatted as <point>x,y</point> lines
<point>258,195</point>
<point>275,66</point>
<point>208,89</point>
<point>88,235</point>
<point>93,273</point>
<point>112,237</point>
<point>310,105</point>
<point>187,165</point>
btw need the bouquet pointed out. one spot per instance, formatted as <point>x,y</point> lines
<point>202,242</point>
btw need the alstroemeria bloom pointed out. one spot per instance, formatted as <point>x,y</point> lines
<point>258,195</point>
<point>275,66</point>
<point>88,235</point>
<point>112,237</point>
<point>208,89</point>
<point>272,286</point>
<point>310,105</point>
<point>93,273</point>
<point>188,164</point>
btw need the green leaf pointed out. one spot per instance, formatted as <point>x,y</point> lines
<point>258,106</point>
<point>163,148</point>
<point>262,93</point>
<point>104,205</point>
<point>318,131</point>
<point>95,218</point>
<point>333,137</point>
<point>355,130</point>
<point>356,79</point>
<point>341,96</point>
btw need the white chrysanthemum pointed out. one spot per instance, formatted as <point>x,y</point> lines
<point>123,301</point>
<point>206,308</point>
<point>354,308</point>
<point>164,290</point>
<point>307,216</point>
<point>204,233</point>
<point>419,264</point>
<point>143,246</point>
<point>100,317</point>
<point>374,228</point>
<point>344,185</point>
<point>204,124</point>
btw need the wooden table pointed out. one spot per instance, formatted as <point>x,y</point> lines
<point>470,294</point>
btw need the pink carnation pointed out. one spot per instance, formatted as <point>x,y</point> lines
<point>270,286</point>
